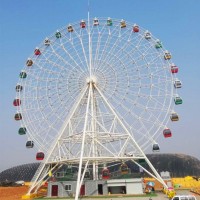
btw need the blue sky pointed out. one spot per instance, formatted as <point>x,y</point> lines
<point>24,24</point>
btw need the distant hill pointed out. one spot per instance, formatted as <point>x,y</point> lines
<point>179,165</point>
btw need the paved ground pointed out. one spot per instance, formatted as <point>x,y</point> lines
<point>160,196</point>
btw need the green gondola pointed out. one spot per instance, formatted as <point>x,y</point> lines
<point>158,45</point>
<point>109,22</point>
<point>58,34</point>
<point>178,100</point>
<point>22,74</point>
<point>22,131</point>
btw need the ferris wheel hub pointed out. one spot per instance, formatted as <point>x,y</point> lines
<point>91,79</point>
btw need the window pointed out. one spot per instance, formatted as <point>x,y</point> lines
<point>68,187</point>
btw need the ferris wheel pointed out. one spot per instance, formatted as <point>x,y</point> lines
<point>97,91</point>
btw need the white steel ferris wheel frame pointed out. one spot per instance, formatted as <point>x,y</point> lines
<point>104,135</point>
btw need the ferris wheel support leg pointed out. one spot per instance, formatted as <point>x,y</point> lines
<point>36,180</point>
<point>159,178</point>
<point>39,172</point>
<point>94,134</point>
<point>132,139</point>
<point>79,179</point>
<point>156,176</point>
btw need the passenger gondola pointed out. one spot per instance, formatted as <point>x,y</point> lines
<point>70,28</point>
<point>174,69</point>
<point>109,22</point>
<point>177,83</point>
<point>47,42</point>
<point>167,55</point>
<point>23,74</point>
<point>29,62</point>
<point>37,51</point>
<point>17,102</point>
<point>136,28</point>
<point>105,173</point>
<point>178,100</point>
<point>22,131</point>
<point>124,168</point>
<point>40,156</point>
<point>95,22</point>
<point>167,133</point>
<point>58,34</point>
<point>18,88</point>
<point>155,147</point>
<point>18,116</point>
<point>29,144</point>
<point>123,23</point>
<point>174,117</point>
<point>147,35</point>
<point>82,24</point>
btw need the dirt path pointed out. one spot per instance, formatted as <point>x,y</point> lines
<point>12,193</point>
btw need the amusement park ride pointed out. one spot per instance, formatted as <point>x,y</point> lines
<point>96,92</point>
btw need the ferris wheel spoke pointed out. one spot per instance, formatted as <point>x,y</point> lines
<point>62,47</point>
<point>107,44</point>
<point>79,38</point>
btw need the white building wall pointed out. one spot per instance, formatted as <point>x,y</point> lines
<point>134,188</point>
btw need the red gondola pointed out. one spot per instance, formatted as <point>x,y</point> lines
<point>124,168</point>
<point>37,52</point>
<point>174,69</point>
<point>82,24</point>
<point>17,102</point>
<point>167,133</point>
<point>135,28</point>
<point>105,173</point>
<point>18,116</point>
<point>40,156</point>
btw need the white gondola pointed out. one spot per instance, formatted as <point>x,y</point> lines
<point>177,83</point>
<point>70,28</point>
<point>95,22</point>
<point>155,147</point>
<point>167,55</point>
<point>147,35</point>
<point>46,42</point>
